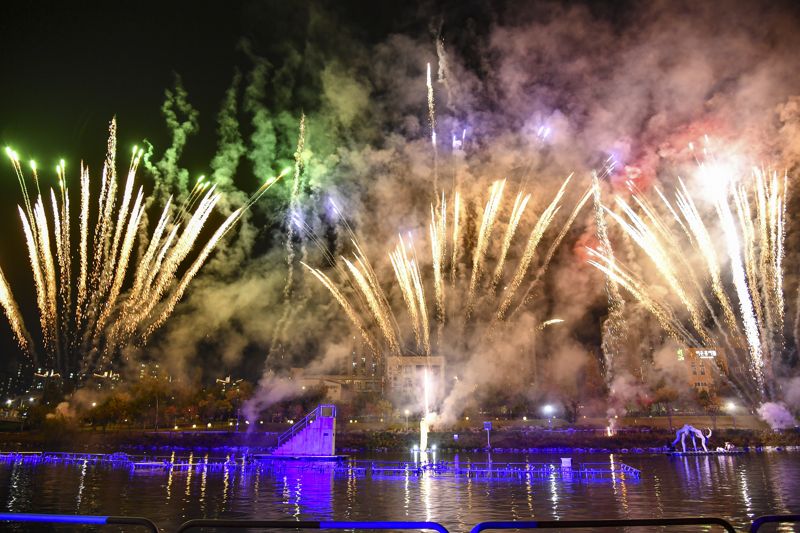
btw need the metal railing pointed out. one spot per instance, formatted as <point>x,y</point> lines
<point>301,424</point>
<point>606,522</point>
<point>773,519</point>
<point>307,524</point>
<point>78,520</point>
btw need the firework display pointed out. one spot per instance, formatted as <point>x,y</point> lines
<point>89,312</point>
<point>720,257</point>
<point>476,258</point>
<point>459,277</point>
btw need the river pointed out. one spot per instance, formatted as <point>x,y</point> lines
<point>735,487</point>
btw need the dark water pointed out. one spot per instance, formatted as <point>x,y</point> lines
<point>733,487</point>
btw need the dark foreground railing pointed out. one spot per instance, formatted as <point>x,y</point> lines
<point>773,519</point>
<point>138,522</point>
<point>76,520</point>
<point>605,522</point>
<point>308,524</point>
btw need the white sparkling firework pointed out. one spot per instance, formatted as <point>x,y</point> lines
<point>748,211</point>
<point>84,335</point>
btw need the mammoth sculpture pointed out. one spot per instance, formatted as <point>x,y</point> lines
<point>694,433</point>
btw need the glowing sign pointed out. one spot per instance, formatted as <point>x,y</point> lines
<point>706,354</point>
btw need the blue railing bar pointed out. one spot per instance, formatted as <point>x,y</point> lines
<point>607,522</point>
<point>86,520</point>
<point>433,526</point>
<point>775,518</point>
<point>307,524</point>
<point>53,518</point>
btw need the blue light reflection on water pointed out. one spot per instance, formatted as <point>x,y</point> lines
<point>733,487</point>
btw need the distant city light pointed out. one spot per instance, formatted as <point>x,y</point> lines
<point>208,425</point>
<point>524,418</point>
<point>548,409</point>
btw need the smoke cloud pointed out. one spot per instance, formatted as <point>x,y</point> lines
<point>530,93</point>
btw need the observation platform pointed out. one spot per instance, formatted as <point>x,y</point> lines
<point>312,437</point>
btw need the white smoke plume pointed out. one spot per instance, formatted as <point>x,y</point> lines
<point>531,93</point>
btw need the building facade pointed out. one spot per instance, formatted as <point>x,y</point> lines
<point>703,367</point>
<point>405,375</point>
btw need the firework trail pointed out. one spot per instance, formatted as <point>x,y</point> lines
<point>291,235</point>
<point>552,250</point>
<point>364,299</point>
<point>550,322</point>
<point>484,236</point>
<point>541,226</point>
<point>456,235</point>
<point>516,214</point>
<point>294,207</point>
<point>85,334</point>
<point>14,316</point>
<point>432,121</point>
<point>348,309</point>
<point>614,324</point>
<point>750,214</point>
<point>438,234</point>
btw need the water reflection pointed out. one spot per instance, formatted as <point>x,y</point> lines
<point>735,487</point>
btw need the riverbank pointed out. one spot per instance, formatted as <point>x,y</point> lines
<point>351,440</point>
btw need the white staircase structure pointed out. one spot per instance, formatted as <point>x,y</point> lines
<point>313,436</point>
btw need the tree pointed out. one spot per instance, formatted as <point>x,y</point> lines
<point>666,396</point>
<point>710,404</point>
<point>114,408</point>
<point>572,409</point>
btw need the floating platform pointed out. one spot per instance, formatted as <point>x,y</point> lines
<point>314,458</point>
<point>339,465</point>
<point>709,452</point>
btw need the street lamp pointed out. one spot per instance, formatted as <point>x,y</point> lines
<point>548,411</point>
<point>731,407</point>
